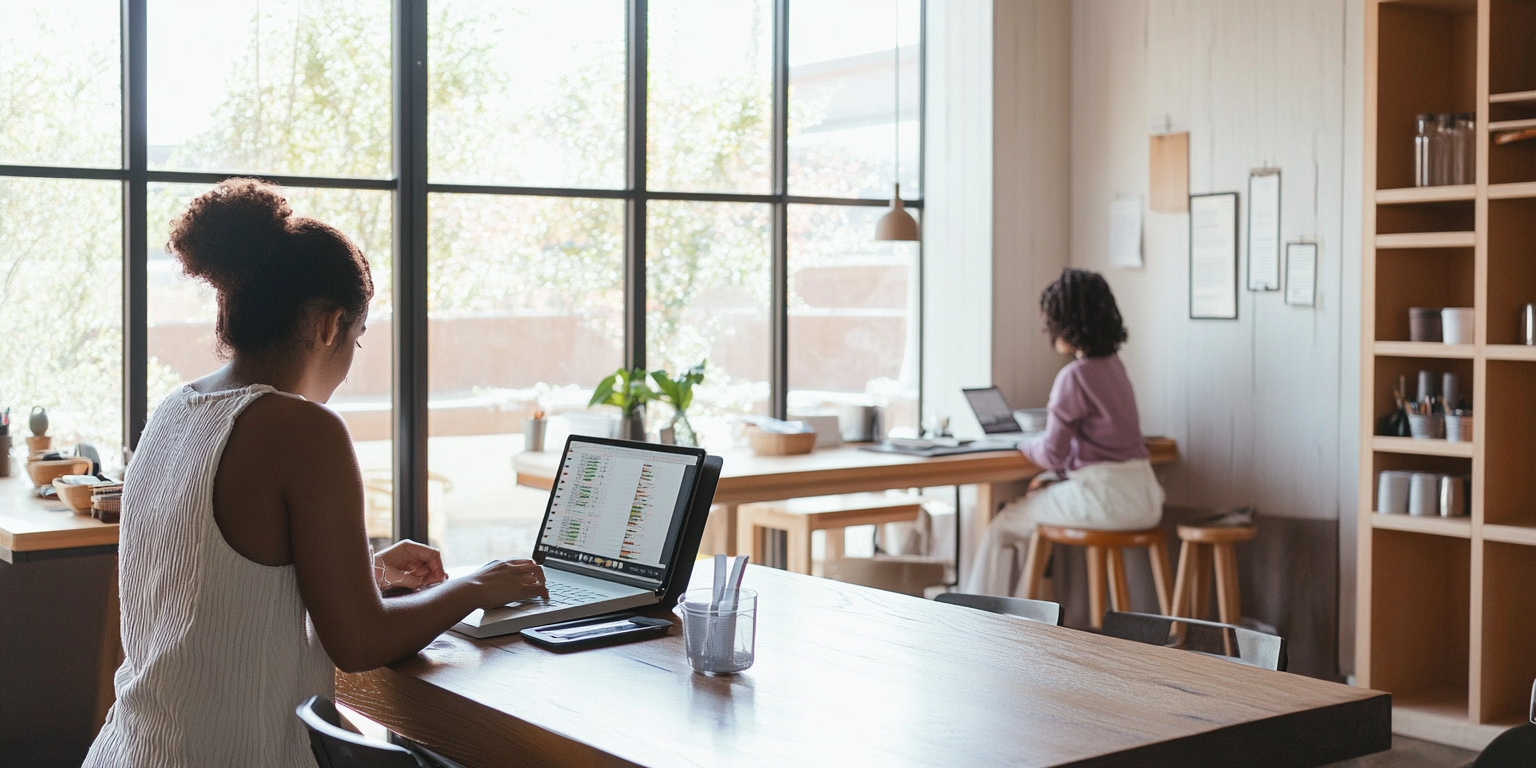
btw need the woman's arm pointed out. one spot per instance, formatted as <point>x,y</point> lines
<point>323,491</point>
<point>1065,408</point>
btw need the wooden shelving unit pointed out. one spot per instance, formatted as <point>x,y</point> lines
<point>1444,620</point>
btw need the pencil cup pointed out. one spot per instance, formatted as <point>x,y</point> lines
<point>1458,429</point>
<point>720,640</point>
<point>533,434</point>
<point>1426,426</point>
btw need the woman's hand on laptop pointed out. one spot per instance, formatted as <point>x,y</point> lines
<point>507,581</point>
<point>407,566</point>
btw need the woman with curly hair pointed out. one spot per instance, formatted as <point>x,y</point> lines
<point>1092,436</point>
<point>246,577</point>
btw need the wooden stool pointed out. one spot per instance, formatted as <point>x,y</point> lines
<point>1192,587</point>
<point>799,517</point>
<point>1104,549</point>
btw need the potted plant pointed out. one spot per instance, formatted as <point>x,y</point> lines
<point>630,391</point>
<point>678,393</point>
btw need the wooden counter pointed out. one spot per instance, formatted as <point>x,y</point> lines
<point>32,528</point>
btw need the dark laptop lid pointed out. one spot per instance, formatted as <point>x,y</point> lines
<point>620,510</point>
<point>992,410</point>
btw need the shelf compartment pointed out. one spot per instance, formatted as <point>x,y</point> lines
<point>1511,67</point>
<point>1510,444</point>
<point>1421,447</point>
<point>1452,220</point>
<point>1420,619</point>
<point>1524,535</point>
<point>1416,195</point>
<point>1512,191</point>
<point>1509,631</point>
<point>1388,369</point>
<point>1510,352</point>
<point>1511,267</point>
<point>1511,106</point>
<point>1427,240</point>
<point>1433,349</point>
<point>1426,62</point>
<point>1428,277</point>
<point>1459,527</point>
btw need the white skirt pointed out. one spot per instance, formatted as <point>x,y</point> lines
<point>1117,496</point>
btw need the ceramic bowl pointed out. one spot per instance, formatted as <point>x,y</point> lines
<point>78,497</point>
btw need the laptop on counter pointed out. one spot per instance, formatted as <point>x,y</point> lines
<point>996,416</point>
<point>621,530</point>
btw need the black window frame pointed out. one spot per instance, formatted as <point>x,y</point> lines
<point>412,189</point>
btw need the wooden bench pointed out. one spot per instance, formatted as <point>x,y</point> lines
<point>800,517</point>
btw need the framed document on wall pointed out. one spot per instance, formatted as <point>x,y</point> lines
<point>1301,274</point>
<point>1213,256</point>
<point>1264,230</point>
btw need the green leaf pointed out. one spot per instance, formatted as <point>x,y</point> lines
<point>604,392</point>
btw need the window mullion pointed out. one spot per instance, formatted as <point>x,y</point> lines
<point>637,34</point>
<point>135,73</point>
<point>409,62</point>
<point>779,310</point>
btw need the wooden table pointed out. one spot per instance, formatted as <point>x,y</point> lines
<point>747,477</point>
<point>847,675</point>
<point>59,626</point>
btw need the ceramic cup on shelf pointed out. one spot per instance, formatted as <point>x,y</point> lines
<point>1424,494</point>
<point>1392,492</point>
<point>1424,324</point>
<point>1453,496</point>
<point>1458,325</point>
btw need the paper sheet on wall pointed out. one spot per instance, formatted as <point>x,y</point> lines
<point>1213,256</point>
<point>1264,231</point>
<point>1125,233</point>
<point>1301,274</point>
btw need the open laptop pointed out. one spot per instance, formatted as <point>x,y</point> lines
<point>621,530</point>
<point>995,415</point>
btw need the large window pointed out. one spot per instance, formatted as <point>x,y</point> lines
<point>546,191</point>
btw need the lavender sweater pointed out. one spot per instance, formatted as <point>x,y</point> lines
<point>1092,418</point>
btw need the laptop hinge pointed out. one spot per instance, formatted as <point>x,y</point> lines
<point>602,573</point>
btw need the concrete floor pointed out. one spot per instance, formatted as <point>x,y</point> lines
<point>1412,753</point>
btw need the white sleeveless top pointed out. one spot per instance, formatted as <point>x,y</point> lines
<point>218,649</point>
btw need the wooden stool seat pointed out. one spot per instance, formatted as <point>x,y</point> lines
<point>800,517</point>
<point>1088,537</point>
<point>1105,556</point>
<point>1226,534</point>
<point>1204,550</point>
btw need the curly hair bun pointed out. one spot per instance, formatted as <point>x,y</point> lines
<point>232,233</point>
<point>269,266</point>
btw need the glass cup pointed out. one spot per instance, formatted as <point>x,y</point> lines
<point>720,640</point>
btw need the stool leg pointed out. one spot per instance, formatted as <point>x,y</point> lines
<point>1096,587</point>
<point>1202,591</point>
<point>747,538</point>
<point>1034,565</point>
<point>1119,590</point>
<point>799,545</point>
<point>1160,576</point>
<point>834,543</point>
<point>1183,584</point>
<point>1227,598</point>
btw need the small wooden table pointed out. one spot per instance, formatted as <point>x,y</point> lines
<point>59,625</point>
<point>747,477</point>
<point>847,675</point>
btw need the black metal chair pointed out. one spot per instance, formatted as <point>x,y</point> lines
<point>337,747</point>
<point>1224,641</point>
<point>1043,611</point>
<point>1514,748</point>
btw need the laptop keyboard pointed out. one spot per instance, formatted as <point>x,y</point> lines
<point>560,596</point>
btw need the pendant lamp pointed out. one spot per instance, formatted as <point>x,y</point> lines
<point>897,224</point>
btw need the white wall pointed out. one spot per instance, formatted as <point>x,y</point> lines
<point>1263,407</point>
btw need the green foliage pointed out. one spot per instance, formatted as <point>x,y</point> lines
<point>678,392</point>
<point>628,389</point>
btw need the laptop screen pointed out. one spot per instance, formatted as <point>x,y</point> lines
<point>992,410</point>
<point>618,508</point>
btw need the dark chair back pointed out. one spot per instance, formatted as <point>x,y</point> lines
<point>337,747</point>
<point>1225,641</point>
<point>1043,611</point>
